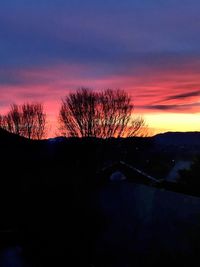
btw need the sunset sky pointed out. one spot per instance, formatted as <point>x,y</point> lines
<point>151,48</point>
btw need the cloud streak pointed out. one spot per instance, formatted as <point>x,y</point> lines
<point>183,95</point>
<point>174,108</point>
<point>178,97</point>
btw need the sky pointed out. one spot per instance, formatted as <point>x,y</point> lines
<point>151,48</point>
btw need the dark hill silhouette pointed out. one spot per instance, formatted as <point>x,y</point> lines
<point>178,145</point>
<point>145,153</point>
<point>6,136</point>
<point>178,138</point>
<point>159,141</point>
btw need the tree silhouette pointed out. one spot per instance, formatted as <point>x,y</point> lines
<point>28,120</point>
<point>87,113</point>
<point>33,121</point>
<point>12,120</point>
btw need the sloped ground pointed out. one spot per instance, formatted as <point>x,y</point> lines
<point>144,226</point>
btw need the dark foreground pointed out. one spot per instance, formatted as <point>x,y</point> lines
<point>56,211</point>
<point>120,224</point>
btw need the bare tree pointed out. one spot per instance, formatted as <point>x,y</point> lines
<point>86,113</point>
<point>28,120</point>
<point>138,128</point>
<point>12,120</point>
<point>116,110</point>
<point>33,121</point>
<point>78,114</point>
<point>1,121</point>
<point>41,121</point>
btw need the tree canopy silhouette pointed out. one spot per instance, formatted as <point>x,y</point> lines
<point>28,120</point>
<point>87,113</point>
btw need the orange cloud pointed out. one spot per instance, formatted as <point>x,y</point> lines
<point>156,93</point>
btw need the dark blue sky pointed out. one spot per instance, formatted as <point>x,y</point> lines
<point>101,32</point>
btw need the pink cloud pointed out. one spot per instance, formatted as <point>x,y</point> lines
<point>153,90</point>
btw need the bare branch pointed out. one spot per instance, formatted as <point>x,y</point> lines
<point>86,113</point>
<point>28,120</point>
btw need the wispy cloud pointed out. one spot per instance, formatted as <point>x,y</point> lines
<point>178,97</point>
<point>183,95</point>
<point>186,108</point>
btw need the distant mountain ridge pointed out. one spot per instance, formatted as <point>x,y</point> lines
<point>167,138</point>
<point>170,145</point>
<point>156,155</point>
<point>178,138</point>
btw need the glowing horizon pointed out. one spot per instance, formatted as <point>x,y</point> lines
<point>149,48</point>
<point>165,104</point>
